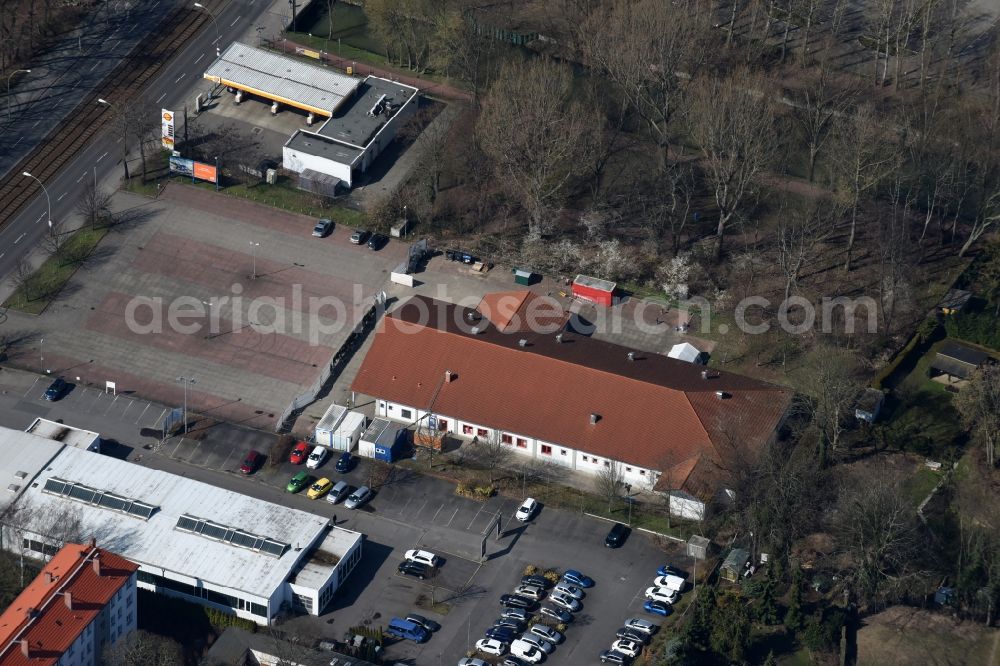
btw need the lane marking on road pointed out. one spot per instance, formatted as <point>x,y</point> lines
<point>36,123</point>
<point>40,218</point>
<point>102,157</point>
<point>199,58</point>
<point>18,239</point>
<point>18,141</point>
<point>180,77</point>
<point>141,415</point>
<point>80,178</point>
<point>234,22</point>
<point>61,196</point>
<point>118,41</point>
<point>160,97</point>
<point>1,254</point>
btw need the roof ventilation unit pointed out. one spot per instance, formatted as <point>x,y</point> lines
<point>474,330</point>
<point>704,374</point>
<point>631,356</point>
<point>594,418</point>
<point>558,337</point>
<point>449,376</point>
<point>721,395</point>
<point>523,342</point>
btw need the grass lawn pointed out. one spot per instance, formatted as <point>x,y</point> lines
<point>35,293</point>
<point>346,51</point>
<point>918,486</point>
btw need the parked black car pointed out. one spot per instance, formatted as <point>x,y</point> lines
<point>516,601</point>
<point>344,462</point>
<point>616,537</point>
<point>429,625</point>
<point>56,389</point>
<point>537,581</point>
<point>377,241</point>
<point>414,569</point>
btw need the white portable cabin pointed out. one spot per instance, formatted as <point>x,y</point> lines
<point>366,447</point>
<point>327,425</point>
<point>346,437</point>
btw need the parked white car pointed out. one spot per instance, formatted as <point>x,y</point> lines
<point>670,582</point>
<point>663,594</point>
<point>526,652</point>
<point>423,557</point>
<point>316,458</point>
<point>491,646</point>
<point>527,510</point>
<point>627,647</point>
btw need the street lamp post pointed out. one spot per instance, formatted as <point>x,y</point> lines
<point>185,381</point>
<point>253,258</point>
<point>48,200</point>
<point>8,88</point>
<point>105,102</point>
<point>41,358</point>
<point>218,35</point>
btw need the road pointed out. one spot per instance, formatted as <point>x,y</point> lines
<point>101,159</point>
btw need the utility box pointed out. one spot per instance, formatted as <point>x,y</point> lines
<point>348,432</point>
<point>328,425</point>
<point>400,229</point>
<point>697,547</point>
<point>523,277</point>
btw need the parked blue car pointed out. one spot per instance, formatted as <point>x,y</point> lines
<point>344,462</point>
<point>576,578</point>
<point>502,634</point>
<point>657,608</point>
<point>668,570</point>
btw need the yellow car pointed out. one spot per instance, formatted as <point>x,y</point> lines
<point>320,488</point>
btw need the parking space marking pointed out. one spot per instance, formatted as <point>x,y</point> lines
<point>111,405</point>
<point>129,406</point>
<point>30,388</point>
<point>158,418</point>
<point>225,462</point>
<point>142,414</point>
<point>421,508</point>
<point>452,517</point>
<point>437,512</point>
<point>97,399</point>
<point>179,442</point>
<point>475,518</point>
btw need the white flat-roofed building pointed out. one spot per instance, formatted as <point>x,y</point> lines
<point>190,539</point>
<point>68,435</point>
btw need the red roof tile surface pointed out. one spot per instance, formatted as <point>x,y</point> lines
<point>41,614</point>
<point>652,411</point>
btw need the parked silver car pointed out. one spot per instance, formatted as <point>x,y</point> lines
<point>358,497</point>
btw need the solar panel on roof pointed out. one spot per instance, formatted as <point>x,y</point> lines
<point>231,535</point>
<point>109,501</point>
<point>275,548</point>
<point>54,486</point>
<point>186,523</point>
<point>95,497</point>
<point>83,493</point>
<point>142,510</point>
<point>213,531</point>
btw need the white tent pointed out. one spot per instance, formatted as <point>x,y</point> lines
<point>685,351</point>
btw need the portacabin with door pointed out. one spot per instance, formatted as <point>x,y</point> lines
<point>384,440</point>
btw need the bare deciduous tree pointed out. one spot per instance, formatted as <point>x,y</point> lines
<point>490,452</point>
<point>535,135</point>
<point>94,204</point>
<point>732,121</point>
<point>817,106</point>
<point>800,235</point>
<point>831,388</point>
<point>865,151</point>
<point>610,482</point>
<point>979,405</point>
<point>142,648</point>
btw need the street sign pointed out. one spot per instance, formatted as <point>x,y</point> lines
<point>167,128</point>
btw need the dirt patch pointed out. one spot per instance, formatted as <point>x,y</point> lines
<point>902,635</point>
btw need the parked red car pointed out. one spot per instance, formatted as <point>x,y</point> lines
<point>251,462</point>
<point>299,453</point>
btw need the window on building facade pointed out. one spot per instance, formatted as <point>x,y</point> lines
<point>628,469</point>
<point>585,458</point>
<point>506,439</point>
<point>562,452</point>
<point>442,425</point>
<point>607,463</point>
<point>406,414</point>
<point>466,430</point>
<point>258,610</point>
<point>546,450</point>
<point>522,443</point>
<point>642,472</point>
<point>481,432</point>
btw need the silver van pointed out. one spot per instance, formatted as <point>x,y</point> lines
<point>338,492</point>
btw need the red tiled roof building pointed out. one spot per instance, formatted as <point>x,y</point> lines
<point>566,398</point>
<point>82,602</point>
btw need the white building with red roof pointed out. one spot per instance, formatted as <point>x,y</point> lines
<point>558,396</point>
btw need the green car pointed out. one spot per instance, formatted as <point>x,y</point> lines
<point>298,482</point>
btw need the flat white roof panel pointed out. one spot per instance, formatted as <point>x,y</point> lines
<point>332,418</point>
<point>155,542</point>
<point>23,456</point>
<point>281,76</point>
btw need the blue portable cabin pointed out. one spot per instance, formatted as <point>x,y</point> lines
<point>384,440</point>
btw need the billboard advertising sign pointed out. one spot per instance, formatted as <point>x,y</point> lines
<point>192,169</point>
<point>205,172</point>
<point>167,128</point>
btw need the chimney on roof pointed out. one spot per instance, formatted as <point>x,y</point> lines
<point>26,649</point>
<point>50,577</point>
<point>68,598</point>
<point>31,613</point>
<point>448,376</point>
<point>594,418</point>
<point>558,337</point>
<point>93,542</point>
<point>523,342</point>
<point>631,356</point>
<point>704,374</point>
<point>97,563</point>
<point>721,395</point>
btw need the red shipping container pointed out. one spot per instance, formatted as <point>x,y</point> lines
<point>594,290</point>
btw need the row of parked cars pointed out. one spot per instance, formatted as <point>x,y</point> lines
<point>419,563</point>
<point>636,633</point>
<point>521,629</point>
<point>324,226</point>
